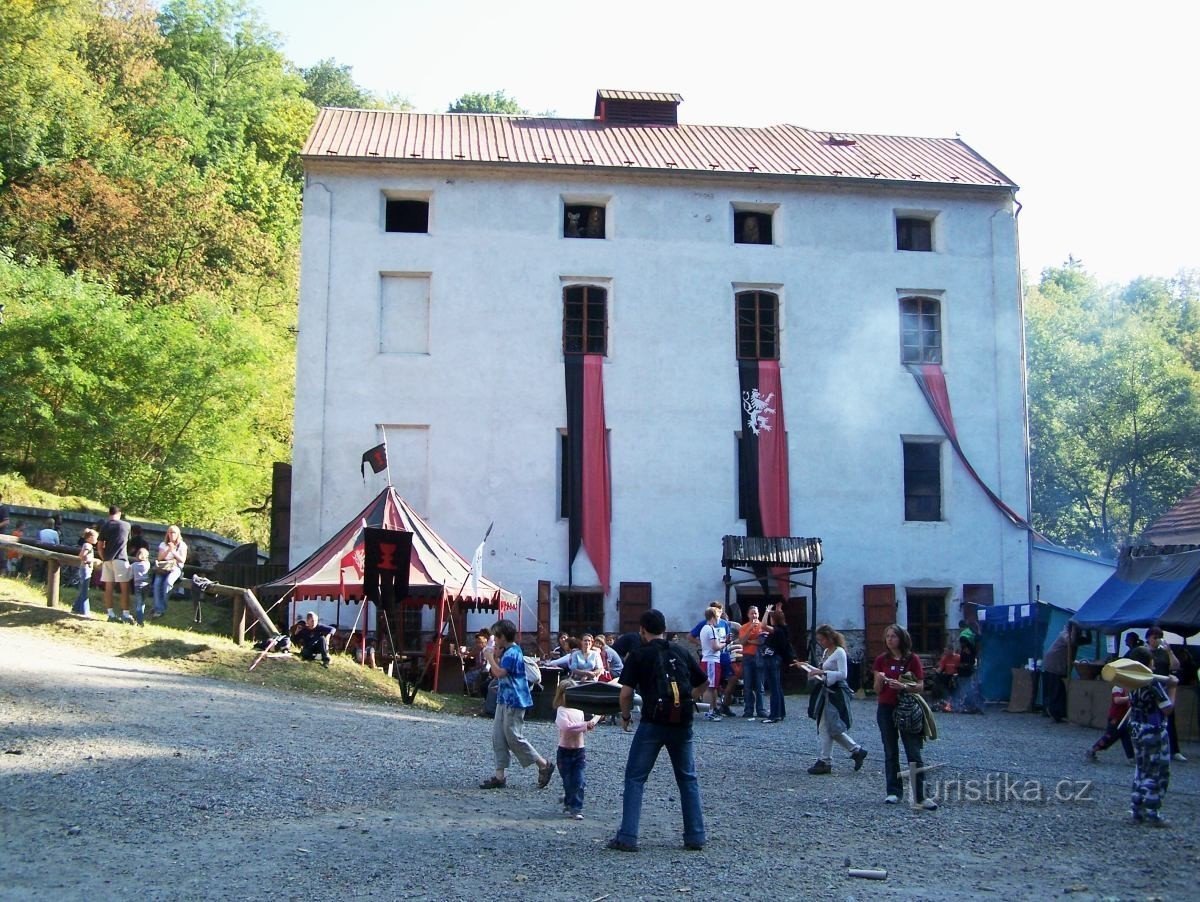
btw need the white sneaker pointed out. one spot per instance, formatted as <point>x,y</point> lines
<point>928,805</point>
<point>1179,756</point>
<point>891,800</point>
<point>713,717</point>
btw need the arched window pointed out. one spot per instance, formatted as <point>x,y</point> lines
<point>585,320</point>
<point>757,325</point>
<point>920,330</point>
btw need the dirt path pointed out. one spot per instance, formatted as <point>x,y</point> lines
<point>121,780</point>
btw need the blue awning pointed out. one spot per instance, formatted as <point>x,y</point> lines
<point>1147,590</point>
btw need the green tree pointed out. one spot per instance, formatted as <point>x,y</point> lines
<point>330,84</point>
<point>1114,410</point>
<point>154,408</point>
<point>478,102</point>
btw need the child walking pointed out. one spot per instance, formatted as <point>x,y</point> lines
<point>1117,726</point>
<point>87,557</point>
<point>140,577</point>
<point>572,725</point>
<point>1148,709</point>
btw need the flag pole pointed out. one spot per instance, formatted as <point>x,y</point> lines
<point>387,459</point>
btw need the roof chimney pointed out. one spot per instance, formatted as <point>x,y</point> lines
<point>637,107</point>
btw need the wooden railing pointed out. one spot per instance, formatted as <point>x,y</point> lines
<point>244,599</point>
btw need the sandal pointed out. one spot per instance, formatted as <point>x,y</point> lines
<point>544,775</point>
<point>493,783</point>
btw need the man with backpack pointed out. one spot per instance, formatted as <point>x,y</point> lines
<point>665,676</point>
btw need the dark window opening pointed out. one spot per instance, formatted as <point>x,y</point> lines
<point>407,216</point>
<point>922,481</point>
<point>580,612</point>
<point>751,228</point>
<point>564,477</point>
<point>757,325</point>
<point>585,320</point>
<point>583,221</point>
<point>914,234</point>
<point>920,330</point>
<point>927,620</point>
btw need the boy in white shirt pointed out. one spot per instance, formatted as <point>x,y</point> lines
<point>713,638</point>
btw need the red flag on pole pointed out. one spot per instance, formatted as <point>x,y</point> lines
<point>376,457</point>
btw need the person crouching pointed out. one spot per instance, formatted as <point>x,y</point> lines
<point>313,638</point>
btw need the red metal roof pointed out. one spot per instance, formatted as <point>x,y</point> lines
<point>786,150</point>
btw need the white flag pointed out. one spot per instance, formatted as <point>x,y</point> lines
<point>477,569</point>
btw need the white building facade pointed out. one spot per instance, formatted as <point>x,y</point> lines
<point>440,256</point>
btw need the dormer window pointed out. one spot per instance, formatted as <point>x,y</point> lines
<point>752,227</point>
<point>583,221</point>
<point>914,233</point>
<point>406,215</point>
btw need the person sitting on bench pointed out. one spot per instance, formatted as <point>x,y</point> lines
<point>313,638</point>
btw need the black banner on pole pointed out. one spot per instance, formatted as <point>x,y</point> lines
<point>388,553</point>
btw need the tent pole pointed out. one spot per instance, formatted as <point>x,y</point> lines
<point>437,642</point>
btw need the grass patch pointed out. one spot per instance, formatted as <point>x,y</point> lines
<point>177,643</point>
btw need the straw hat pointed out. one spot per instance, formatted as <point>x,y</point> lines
<point>1127,673</point>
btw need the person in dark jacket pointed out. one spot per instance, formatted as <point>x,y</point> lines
<point>661,726</point>
<point>776,653</point>
<point>312,637</point>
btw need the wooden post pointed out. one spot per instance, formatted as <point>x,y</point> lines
<point>239,619</point>
<point>52,583</point>
<point>257,610</point>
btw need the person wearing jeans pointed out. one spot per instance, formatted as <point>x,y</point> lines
<point>168,567</point>
<point>750,636</point>
<point>890,666</point>
<point>661,726</point>
<point>775,653</point>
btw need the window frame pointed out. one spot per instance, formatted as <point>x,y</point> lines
<point>742,213</point>
<point>903,223</point>
<point>913,489</point>
<point>588,342</point>
<point>928,633</point>
<point>923,350</point>
<point>390,198</point>
<point>581,619</point>
<point>581,206</point>
<point>755,322</point>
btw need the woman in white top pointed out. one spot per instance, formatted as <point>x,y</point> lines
<point>584,663</point>
<point>833,706</point>
<point>168,567</point>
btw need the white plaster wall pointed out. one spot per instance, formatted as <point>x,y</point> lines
<point>1068,578</point>
<point>491,388</point>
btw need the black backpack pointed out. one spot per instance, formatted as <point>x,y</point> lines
<point>671,699</point>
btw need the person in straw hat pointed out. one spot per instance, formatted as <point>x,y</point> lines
<point>1149,705</point>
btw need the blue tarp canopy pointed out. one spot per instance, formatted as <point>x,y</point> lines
<point>1011,634</point>
<point>1148,589</point>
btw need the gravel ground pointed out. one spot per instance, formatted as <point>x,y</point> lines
<point>120,780</point>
